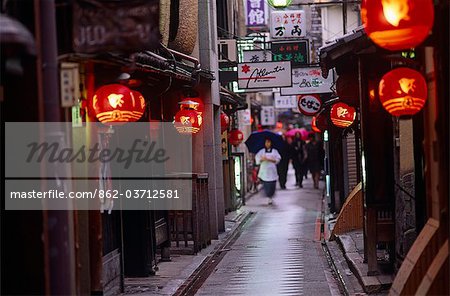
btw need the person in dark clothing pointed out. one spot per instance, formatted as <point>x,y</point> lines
<point>298,159</point>
<point>283,165</point>
<point>314,160</point>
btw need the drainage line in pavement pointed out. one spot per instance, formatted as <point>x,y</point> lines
<point>334,269</point>
<point>201,274</point>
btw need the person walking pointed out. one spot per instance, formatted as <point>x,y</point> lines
<point>298,159</point>
<point>268,158</point>
<point>314,160</point>
<point>283,165</point>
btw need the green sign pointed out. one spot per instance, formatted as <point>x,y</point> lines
<point>297,52</point>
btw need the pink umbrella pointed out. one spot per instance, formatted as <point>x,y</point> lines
<point>292,132</point>
<point>303,132</point>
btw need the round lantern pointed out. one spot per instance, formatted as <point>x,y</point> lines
<point>188,121</point>
<point>397,24</point>
<point>197,104</point>
<point>235,137</point>
<point>224,121</point>
<point>116,104</point>
<point>402,91</point>
<point>314,125</point>
<point>140,101</point>
<point>342,115</point>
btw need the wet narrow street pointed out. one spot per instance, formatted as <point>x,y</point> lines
<point>279,250</point>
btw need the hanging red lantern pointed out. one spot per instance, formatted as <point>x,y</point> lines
<point>188,121</point>
<point>224,121</point>
<point>235,137</point>
<point>314,125</point>
<point>342,115</point>
<point>402,91</point>
<point>193,103</point>
<point>116,104</point>
<point>397,24</point>
<point>140,101</point>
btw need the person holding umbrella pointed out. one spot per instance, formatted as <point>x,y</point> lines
<point>268,158</point>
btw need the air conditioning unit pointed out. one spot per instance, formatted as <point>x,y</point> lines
<point>227,50</point>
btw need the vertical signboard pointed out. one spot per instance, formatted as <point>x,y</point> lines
<point>267,115</point>
<point>255,14</point>
<point>288,24</point>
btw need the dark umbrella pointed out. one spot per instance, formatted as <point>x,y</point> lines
<point>256,140</point>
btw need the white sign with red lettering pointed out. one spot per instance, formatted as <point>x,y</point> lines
<point>309,105</point>
<point>264,75</point>
<point>288,24</point>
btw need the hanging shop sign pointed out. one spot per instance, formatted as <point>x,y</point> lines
<point>308,81</point>
<point>284,102</point>
<point>117,26</point>
<point>288,24</point>
<point>397,25</point>
<point>309,105</point>
<point>255,56</point>
<point>267,115</point>
<point>245,117</point>
<point>297,52</point>
<point>255,12</point>
<point>342,115</point>
<point>264,75</point>
<point>70,81</point>
<point>403,91</point>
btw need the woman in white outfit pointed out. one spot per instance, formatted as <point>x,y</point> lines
<point>268,158</point>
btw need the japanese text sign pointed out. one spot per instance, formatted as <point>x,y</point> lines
<point>264,75</point>
<point>308,81</point>
<point>309,104</point>
<point>267,115</point>
<point>255,13</point>
<point>283,102</point>
<point>288,24</point>
<point>296,52</point>
<point>254,56</point>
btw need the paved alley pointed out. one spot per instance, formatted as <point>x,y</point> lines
<point>278,251</point>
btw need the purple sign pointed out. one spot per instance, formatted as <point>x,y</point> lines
<point>255,13</point>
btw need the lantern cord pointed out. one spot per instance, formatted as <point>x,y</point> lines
<point>404,191</point>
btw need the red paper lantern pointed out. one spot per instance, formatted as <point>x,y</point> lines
<point>188,121</point>
<point>402,91</point>
<point>314,125</point>
<point>342,115</point>
<point>397,24</point>
<point>197,104</point>
<point>140,101</point>
<point>116,104</point>
<point>235,137</point>
<point>224,121</point>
